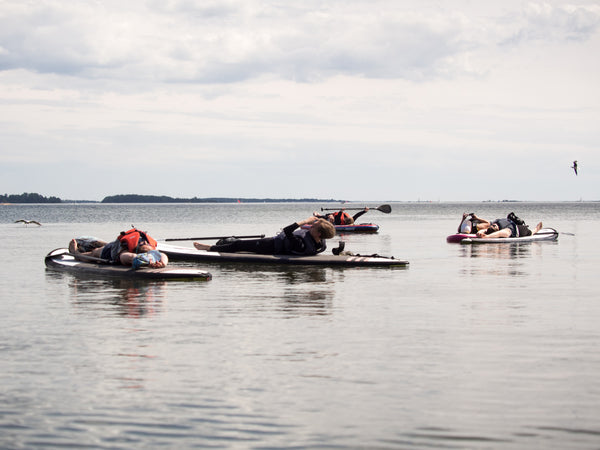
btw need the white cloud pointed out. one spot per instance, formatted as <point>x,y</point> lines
<point>235,41</point>
<point>380,90</point>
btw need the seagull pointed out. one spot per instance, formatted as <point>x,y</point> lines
<point>27,222</point>
<point>574,166</point>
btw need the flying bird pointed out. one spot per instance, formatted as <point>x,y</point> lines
<point>574,166</point>
<point>27,222</point>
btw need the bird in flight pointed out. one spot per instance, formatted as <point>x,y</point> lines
<point>27,222</point>
<point>574,166</point>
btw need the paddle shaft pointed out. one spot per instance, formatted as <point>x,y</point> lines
<point>208,238</point>
<point>87,257</point>
<point>383,208</point>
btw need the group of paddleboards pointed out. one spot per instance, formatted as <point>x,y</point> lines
<point>472,230</point>
<point>75,259</point>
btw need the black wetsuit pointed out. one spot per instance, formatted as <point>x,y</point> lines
<point>291,241</point>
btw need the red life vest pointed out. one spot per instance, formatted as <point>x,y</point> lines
<point>341,218</point>
<point>134,238</point>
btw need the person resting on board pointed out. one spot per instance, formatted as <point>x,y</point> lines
<point>505,228</point>
<point>341,217</point>
<point>291,241</point>
<point>131,248</point>
<point>471,224</point>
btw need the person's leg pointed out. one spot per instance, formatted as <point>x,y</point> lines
<point>499,234</point>
<point>265,246</point>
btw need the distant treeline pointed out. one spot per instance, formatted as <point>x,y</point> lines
<point>28,198</point>
<point>134,198</point>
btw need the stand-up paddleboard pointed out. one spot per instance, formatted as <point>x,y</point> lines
<point>60,259</point>
<point>354,228</point>
<point>545,234</point>
<point>191,254</point>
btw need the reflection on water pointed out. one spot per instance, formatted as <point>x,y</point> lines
<point>510,259</point>
<point>125,297</point>
<point>306,290</point>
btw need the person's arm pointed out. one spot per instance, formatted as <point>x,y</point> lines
<point>289,230</point>
<point>360,213</point>
<point>126,258</point>
<point>479,219</point>
<point>164,260</point>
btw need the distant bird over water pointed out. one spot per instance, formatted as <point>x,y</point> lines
<point>574,166</point>
<point>27,222</point>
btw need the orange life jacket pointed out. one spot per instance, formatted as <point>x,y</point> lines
<point>134,238</point>
<point>341,218</point>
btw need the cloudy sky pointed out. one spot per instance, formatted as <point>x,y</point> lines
<point>347,99</point>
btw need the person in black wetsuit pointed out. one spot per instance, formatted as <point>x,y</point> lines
<point>291,241</point>
<point>341,217</point>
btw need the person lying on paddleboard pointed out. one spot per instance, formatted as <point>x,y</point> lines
<point>131,248</point>
<point>341,217</point>
<point>506,228</point>
<point>291,241</point>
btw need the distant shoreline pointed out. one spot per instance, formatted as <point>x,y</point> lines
<point>27,198</point>
<point>135,198</point>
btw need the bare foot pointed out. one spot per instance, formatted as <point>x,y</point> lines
<point>73,246</point>
<point>200,246</point>
<point>538,227</point>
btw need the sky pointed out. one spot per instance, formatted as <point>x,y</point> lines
<point>399,100</point>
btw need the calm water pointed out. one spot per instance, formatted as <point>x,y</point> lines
<point>470,347</point>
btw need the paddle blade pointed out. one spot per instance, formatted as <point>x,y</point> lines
<point>385,209</point>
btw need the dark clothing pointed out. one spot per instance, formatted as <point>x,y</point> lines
<point>523,230</point>
<point>505,223</point>
<point>291,241</point>
<point>264,246</point>
<point>515,230</point>
<point>112,251</point>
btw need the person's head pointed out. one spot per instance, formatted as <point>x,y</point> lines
<point>145,247</point>
<point>492,228</point>
<point>330,218</point>
<point>323,229</point>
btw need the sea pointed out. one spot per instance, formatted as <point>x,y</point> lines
<point>492,346</point>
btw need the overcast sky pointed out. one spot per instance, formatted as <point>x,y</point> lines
<point>346,99</point>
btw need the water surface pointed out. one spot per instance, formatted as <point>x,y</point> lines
<point>490,346</point>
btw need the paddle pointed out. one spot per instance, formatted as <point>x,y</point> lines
<point>215,238</point>
<point>86,257</point>
<point>383,208</point>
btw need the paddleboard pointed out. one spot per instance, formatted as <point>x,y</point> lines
<point>355,228</point>
<point>59,259</point>
<point>176,253</point>
<point>545,234</point>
